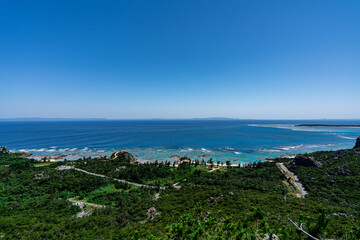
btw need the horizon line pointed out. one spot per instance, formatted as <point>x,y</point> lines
<point>194,118</point>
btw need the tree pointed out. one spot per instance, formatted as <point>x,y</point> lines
<point>228,163</point>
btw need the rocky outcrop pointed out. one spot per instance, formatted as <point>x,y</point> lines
<point>357,144</point>
<point>301,160</point>
<point>341,170</point>
<point>4,150</point>
<point>183,161</point>
<point>123,155</point>
<point>152,213</point>
<point>339,154</point>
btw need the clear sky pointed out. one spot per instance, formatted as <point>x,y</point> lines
<point>180,59</point>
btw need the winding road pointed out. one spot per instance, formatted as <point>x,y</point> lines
<point>119,180</point>
<point>297,183</point>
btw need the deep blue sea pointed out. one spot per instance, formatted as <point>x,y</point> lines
<point>240,141</point>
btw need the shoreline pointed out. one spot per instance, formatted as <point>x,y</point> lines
<point>61,157</point>
<point>172,155</point>
<point>235,160</point>
<point>326,125</point>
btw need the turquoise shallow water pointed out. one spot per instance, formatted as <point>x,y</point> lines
<point>240,141</point>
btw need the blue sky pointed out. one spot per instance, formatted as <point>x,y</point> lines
<point>180,59</point>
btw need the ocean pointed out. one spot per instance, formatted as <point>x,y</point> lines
<point>238,141</point>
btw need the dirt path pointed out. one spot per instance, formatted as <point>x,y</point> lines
<point>214,169</point>
<point>119,180</point>
<point>175,185</point>
<point>115,179</point>
<point>294,180</point>
<point>116,154</point>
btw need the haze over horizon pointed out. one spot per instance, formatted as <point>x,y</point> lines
<point>204,118</point>
<point>180,59</point>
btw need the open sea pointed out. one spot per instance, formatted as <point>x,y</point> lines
<point>239,141</point>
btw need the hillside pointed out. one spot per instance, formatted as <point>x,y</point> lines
<point>193,200</point>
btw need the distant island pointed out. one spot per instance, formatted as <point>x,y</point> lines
<point>325,125</point>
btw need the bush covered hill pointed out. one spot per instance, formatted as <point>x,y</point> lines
<point>41,201</point>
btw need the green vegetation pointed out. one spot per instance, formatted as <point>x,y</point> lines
<point>337,181</point>
<point>162,174</point>
<point>252,202</point>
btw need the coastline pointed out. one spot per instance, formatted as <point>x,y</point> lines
<point>144,155</point>
<point>327,125</point>
<point>286,182</point>
<point>220,157</point>
<point>55,156</point>
<point>240,141</point>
